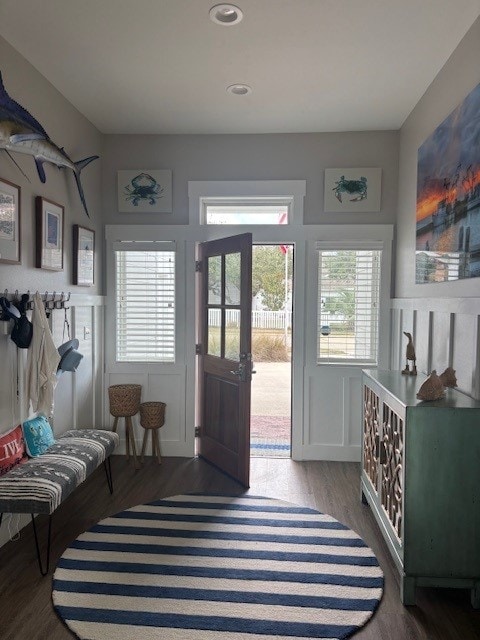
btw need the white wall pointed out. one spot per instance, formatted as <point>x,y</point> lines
<point>443,317</point>
<point>77,396</point>
<point>67,128</point>
<point>244,158</point>
<point>252,157</point>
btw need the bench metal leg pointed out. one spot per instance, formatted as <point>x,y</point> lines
<point>108,471</point>
<point>43,570</point>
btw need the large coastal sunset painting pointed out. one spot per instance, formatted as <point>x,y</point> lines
<point>448,197</point>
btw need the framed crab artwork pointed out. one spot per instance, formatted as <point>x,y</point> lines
<point>353,190</point>
<point>144,191</point>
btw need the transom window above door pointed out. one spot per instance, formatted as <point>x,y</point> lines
<point>246,202</point>
<point>246,211</point>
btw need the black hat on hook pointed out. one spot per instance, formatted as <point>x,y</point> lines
<point>22,332</point>
<point>10,311</point>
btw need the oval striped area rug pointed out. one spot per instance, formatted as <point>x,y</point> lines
<point>205,567</point>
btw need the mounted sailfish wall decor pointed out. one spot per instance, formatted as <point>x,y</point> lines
<point>20,132</point>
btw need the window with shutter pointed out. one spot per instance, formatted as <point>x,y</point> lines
<point>145,302</point>
<point>348,303</point>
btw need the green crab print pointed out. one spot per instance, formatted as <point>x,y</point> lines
<point>357,188</point>
<point>143,187</point>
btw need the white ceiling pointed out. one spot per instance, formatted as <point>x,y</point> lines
<point>161,66</point>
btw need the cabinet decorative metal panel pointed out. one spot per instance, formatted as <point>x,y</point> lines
<point>370,436</point>
<point>392,467</point>
<point>420,466</point>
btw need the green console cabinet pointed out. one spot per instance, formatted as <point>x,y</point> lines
<point>421,477</point>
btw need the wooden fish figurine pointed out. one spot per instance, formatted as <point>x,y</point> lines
<point>448,378</point>
<point>432,388</point>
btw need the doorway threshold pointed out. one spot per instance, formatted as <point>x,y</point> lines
<point>270,436</point>
<point>268,448</point>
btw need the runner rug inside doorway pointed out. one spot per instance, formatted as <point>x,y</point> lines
<point>205,567</point>
<point>270,436</point>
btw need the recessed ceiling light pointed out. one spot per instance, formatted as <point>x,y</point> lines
<point>226,14</point>
<point>239,89</point>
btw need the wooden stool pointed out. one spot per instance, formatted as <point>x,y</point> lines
<point>152,417</point>
<point>124,403</point>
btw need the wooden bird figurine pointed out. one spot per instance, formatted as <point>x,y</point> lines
<point>410,356</point>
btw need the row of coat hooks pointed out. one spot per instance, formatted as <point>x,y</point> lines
<point>50,300</point>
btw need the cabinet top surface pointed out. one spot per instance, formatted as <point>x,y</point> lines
<point>405,389</point>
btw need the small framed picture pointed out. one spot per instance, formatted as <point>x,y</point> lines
<point>49,230</point>
<point>83,256</point>
<point>10,244</point>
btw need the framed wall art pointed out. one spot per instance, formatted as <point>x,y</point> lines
<point>83,256</point>
<point>144,191</point>
<point>448,197</point>
<point>352,190</point>
<point>50,218</point>
<point>10,235</point>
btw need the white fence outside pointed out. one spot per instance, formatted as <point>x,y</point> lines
<point>268,319</point>
<point>260,319</point>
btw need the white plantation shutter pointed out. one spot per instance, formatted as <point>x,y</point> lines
<point>145,301</point>
<point>348,305</point>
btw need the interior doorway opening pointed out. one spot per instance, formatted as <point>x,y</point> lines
<point>272,323</point>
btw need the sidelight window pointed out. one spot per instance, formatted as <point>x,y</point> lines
<point>145,301</point>
<point>348,305</point>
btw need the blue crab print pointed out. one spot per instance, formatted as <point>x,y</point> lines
<point>143,187</point>
<point>356,188</point>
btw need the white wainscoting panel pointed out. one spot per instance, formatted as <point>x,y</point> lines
<point>446,332</point>
<point>164,386</point>
<point>332,413</point>
<point>465,358</point>
<point>352,393</point>
<point>441,339</point>
<point>423,335</point>
<point>84,390</point>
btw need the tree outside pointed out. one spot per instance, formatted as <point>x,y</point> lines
<point>339,269</point>
<point>268,275</point>
<point>272,268</point>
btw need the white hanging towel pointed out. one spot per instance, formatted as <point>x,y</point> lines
<point>42,362</point>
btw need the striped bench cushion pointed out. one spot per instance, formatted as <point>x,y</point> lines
<point>42,484</point>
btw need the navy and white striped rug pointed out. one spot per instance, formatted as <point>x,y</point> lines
<point>204,567</point>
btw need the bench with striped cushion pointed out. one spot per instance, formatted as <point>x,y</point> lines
<point>40,485</point>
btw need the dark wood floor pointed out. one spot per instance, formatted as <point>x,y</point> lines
<point>26,611</point>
